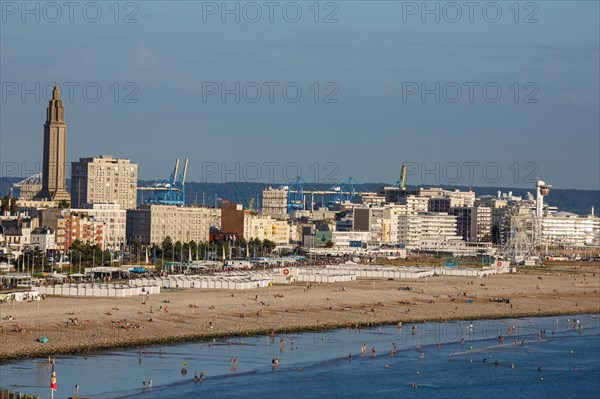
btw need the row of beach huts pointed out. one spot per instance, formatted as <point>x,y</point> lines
<point>97,290</point>
<point>243,280</point>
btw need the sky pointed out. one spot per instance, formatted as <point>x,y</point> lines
<point>491,94</point>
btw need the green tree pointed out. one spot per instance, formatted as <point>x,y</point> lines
<point>5,207</point>
<point>178,248</point>
<point>167,247</point>
<point>13,207</point>
<point>89,254</point>
<point>194,248</point>
<point>269,245</point>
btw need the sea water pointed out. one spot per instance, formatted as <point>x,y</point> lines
<point>463,359</point>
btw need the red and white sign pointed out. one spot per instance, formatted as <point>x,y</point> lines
<point>499,264</point>
<point>286,272</point>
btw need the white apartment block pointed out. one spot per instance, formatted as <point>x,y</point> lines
<point>370,219</point>
<point>151,224</point>
<point>104,180</point>
<point>481,223</point>
<point>457,197</point>
<point>274,203</point>
<point>350,240</point>
<point>114,218</point>
<point>392,213</point>
<point>43,239</point>
<point>266,228</point>
<point>568,229</point>
<point>425,228</point>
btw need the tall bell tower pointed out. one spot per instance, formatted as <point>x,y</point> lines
<point>54,179</point>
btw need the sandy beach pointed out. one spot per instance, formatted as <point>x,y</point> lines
<point>195,314</point>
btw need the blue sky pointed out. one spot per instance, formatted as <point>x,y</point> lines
<point>545,124</point>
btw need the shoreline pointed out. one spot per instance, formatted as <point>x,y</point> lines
<point>189,315</point>
<point>97,348</point>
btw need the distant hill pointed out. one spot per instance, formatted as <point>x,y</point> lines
<point>570,200</point>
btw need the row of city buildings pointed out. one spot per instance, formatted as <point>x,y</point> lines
<point>102,208</point>
<point>426,219</point>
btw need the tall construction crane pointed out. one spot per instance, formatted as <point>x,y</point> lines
<point>170,191</point>
<point>403,177</point>
<point>400,183</point>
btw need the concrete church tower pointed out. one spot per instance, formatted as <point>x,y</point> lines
<point>54,179</point>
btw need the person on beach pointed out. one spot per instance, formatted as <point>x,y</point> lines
<point>373,352</point>
<point>144,385</point>
<point>195,376</point>
<point>364,349</point>
<point>350,356</point>
<point>201,376</point>
<point>150,385</point>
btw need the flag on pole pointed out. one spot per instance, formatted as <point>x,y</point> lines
<point>53,379</point>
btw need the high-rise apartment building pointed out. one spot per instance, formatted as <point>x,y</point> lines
<point>274,202</point>
<point>151,224</point>
<point>104,180</point>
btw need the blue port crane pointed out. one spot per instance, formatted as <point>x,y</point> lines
<point>170,191</point>
<point>296,194</point>
<point>345,191</point>
<point>341,193</point>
